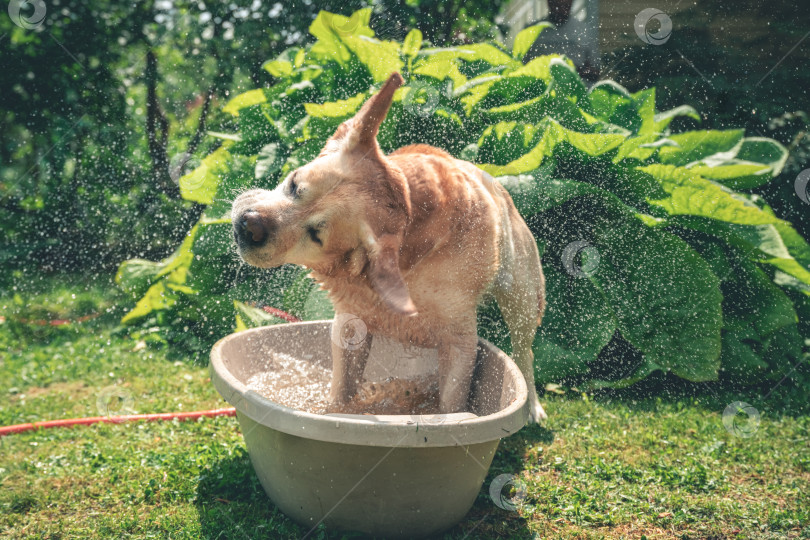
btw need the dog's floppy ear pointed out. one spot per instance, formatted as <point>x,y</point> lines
<point>361,131</point>
<point>383,271</point>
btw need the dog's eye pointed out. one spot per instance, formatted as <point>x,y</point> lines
<point>293,187</point>
<point>313,235</point>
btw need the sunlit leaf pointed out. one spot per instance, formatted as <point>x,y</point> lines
<point>283,65</point>
<point>567,82</point>
<point>156,298</point>
<point>663,119</point>
<point>526,38</point>
<point>691,194</point>
<point>246,99</point>
<point>592,144</point>
<point>200,185</point>
<point>412,43</point>
<point>694,146</point>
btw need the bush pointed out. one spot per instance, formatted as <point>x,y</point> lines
<point>656,255</point>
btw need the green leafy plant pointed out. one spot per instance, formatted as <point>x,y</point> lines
<point>656,255</point>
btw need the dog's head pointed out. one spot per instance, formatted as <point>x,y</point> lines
<point>345,211</point>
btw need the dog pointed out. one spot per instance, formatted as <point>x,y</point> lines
<point>410,242</point>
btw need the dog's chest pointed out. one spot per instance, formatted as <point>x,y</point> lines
<point>356,297</point>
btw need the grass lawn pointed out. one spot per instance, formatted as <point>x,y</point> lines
<point>602,466</point>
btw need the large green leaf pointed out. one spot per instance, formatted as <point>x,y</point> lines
<point>612,103</point>
<point>567,83</point>
<point>526,38</point>
<point>645,101</point>
<point>539,110</point>
<point>244,100</point>
<point>694,146</point>
<point>200,185</point>
<point>664,296</point>
<point>136,275</point>
<point>440,64</point>
<point>487,53</point>
<point>777,245</point>
<point>663,119</point>
<point>762,150</point>
<point>380,57</point>
<point>758,161</point>
<point>325,118</point>
<point>270,160</point>
<point>578,323</point>
<point>412,43</point>
<point>331,28</point>
<point>284,64</point>
<point>641,147</point>
<point>754,311</point>
<point>592,144</point>
<point>507,141</point>
<point>157,298</point>
<point>692,194</point>
<point>537,192</point>
<point>492,92</point>
<point>540,67</point>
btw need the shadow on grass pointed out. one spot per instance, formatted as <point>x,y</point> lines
<point>486,519</point>
<point>232,504</point>
<point>784,396</point>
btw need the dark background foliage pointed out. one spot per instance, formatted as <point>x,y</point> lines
<point>740,64</point>
<point>104,102</point>
<point>81,186</point>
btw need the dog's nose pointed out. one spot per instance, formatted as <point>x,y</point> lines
<point>249,229</point>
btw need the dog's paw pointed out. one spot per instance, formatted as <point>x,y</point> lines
<point>536,412</point>
<point>342,407</point>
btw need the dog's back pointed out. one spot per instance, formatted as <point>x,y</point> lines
<point>497,253</point>
<point>451,199</point>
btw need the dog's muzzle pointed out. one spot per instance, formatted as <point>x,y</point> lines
<point>249,230</point>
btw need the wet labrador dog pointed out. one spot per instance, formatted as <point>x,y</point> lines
<point>410,242</point>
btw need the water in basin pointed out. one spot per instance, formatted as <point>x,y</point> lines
<point>304,384</point>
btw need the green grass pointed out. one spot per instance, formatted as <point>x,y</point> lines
<point>604,466</point>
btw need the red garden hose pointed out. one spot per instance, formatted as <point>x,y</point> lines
<point>229,411</point>
<point>281,314</point>
<point>19,428</point>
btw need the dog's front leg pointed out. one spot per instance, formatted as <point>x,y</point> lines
<point>348,363</point>
<point>456,365</point>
